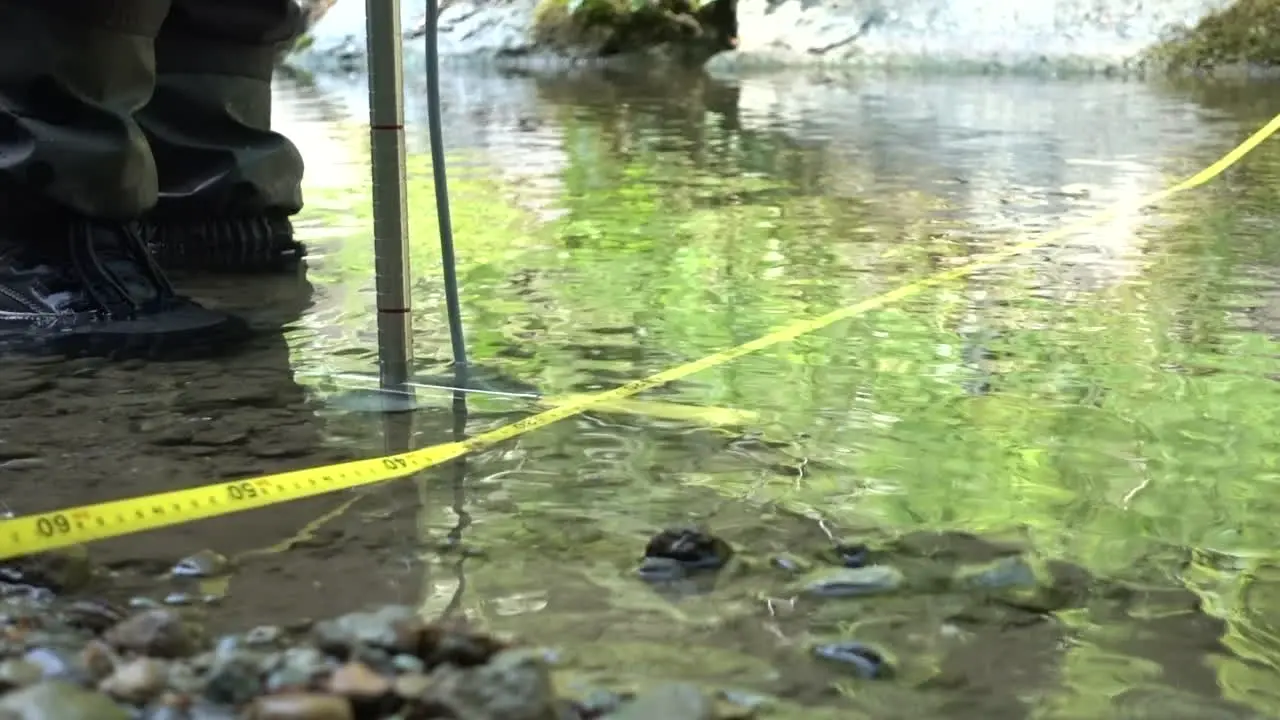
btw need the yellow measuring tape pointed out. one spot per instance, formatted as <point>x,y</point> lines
<point>51,530</point>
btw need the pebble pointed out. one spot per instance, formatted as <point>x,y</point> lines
<point>18,674</point>
<point>296,668</point>
<point>61,700</point>
<point>852,582</point>
<point>1005,573</point>
<point>152,665</point>
<point>93,616</point>
<point>864,661</point>
<point>138,681</point>
<point>411,686</point>
<point>158,633</point>
<point>233,680</point>
<point>263,635</point>
<point>300,706</point>
<point>54,662</point>
<point>390,627</point>
<point>92,661</point>
<point>98,659</point>
<point>203,564</point>
<point>514,685</point>
<point>358,681</point>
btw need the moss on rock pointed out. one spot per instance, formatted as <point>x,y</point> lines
<point>686,30</point>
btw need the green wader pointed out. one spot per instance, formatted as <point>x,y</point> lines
<point>155,110</point>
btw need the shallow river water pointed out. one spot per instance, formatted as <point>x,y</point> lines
<point>1098,419</point>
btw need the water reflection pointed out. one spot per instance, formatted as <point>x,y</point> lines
<point>1090,396</point>
<point>1106,405</point>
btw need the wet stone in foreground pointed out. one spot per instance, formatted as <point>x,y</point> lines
<point>71,661</point>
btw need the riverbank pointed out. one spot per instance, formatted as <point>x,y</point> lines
<point>1113,38</point>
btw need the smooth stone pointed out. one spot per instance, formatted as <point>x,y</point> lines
<point>19,674</point>
<point>227,646</point>
<point>95,617</point>
<point>1003,574</point>
<point>853,582</point>
<point>300,706</point>
<point>296,669</point>
<point>57,663</point>
<point>387,627</point>
<point>233,681</point>
<point>185,679</point>
<point>263,635</point>
<point>98,659</point>
<point>205,563</point>
<point>411,686</point>
<point>672,701</point>
<point>865,661</point>
<point>138,681</point>
<point>61,700</point>
<point>358,681</point>
<point>513,685</point>
<point>158,633</point>
<point>408,664</point>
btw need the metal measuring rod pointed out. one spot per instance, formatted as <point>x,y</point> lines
<point>390,203</point>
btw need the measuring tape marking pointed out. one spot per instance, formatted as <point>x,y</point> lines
<point>73,526</point>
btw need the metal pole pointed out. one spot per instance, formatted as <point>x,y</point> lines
<point>390,209</point>
<point>435,128</point>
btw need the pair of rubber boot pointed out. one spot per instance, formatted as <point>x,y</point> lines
<point>135,138</point>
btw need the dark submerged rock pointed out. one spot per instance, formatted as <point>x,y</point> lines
<point>676,553</point>
<point>862,660</point>
<point>853,555</point>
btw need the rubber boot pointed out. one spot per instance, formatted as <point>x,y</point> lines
<point>227,183</point>
<point>75,174</point>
